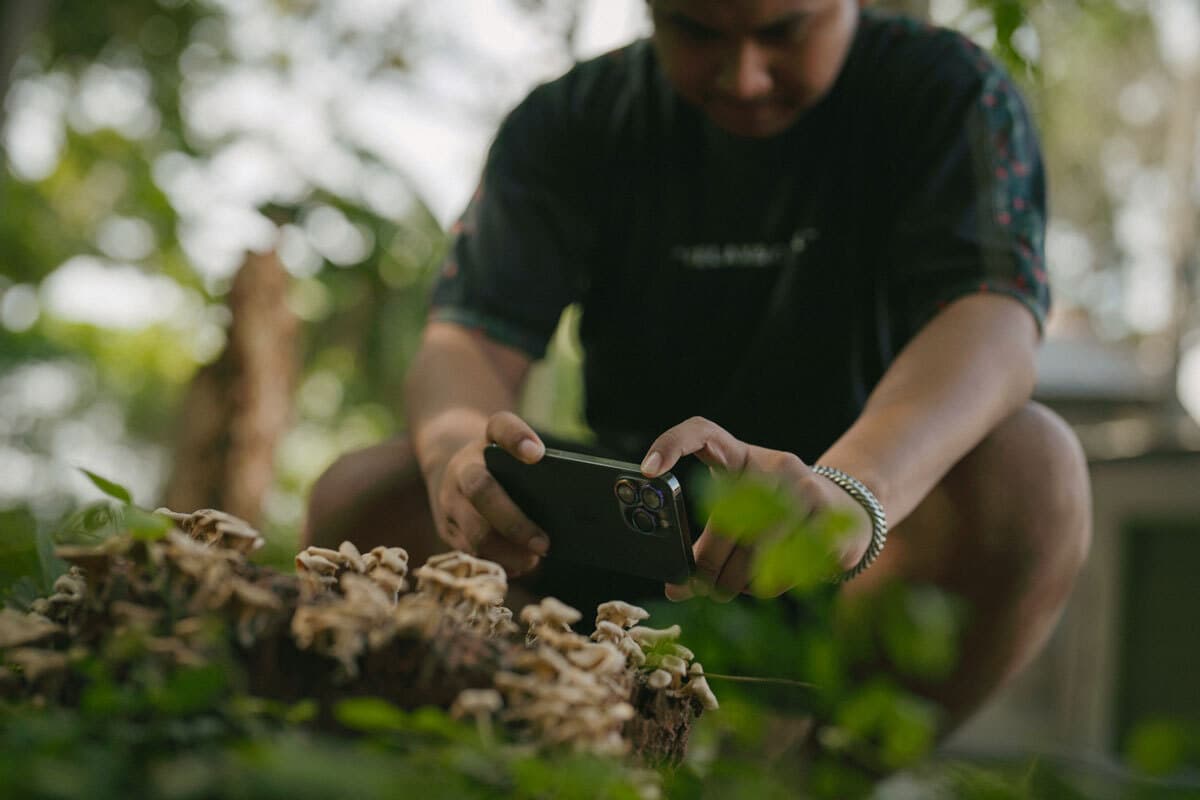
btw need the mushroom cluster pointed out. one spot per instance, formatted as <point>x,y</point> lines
<point>321,569</point>
<point>564,689</point>
<point>356,603</point>
<point>175,596</point>
<point>671,667</point>
<point>216,528</point>
<point>344,626</point>
<point>161,594</point>
<point>471,589</point>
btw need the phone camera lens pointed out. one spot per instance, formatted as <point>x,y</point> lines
<point>643,520</point>
<point>627,493</point>
<point>651,497</point>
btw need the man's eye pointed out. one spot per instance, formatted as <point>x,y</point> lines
<point>790,31</point>
<point>694,31</point>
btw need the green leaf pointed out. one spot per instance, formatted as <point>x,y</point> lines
<point>111,489</point>
<point>370,715</point>
<point>802,559</point>
<point>146,526</point>
<point>301,712</point>
<point>1157,746</point>
<point>190,691</point>
<point>745,508</point>
<point>919,627</point>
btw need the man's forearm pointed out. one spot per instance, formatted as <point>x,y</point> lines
<point>964,372</point>
<point>457,380</point>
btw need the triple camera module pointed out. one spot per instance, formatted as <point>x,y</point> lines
<point>641,504</point>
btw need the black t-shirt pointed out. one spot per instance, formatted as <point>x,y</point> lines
<point>916,180</point>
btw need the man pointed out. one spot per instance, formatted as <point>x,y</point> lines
<point>802,234</point>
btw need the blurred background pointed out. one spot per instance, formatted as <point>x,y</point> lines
<point>219,219</point>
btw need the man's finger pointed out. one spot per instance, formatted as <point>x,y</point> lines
<point>516,436</point>
<point>735,575</point>
<point>711,443</point>
<point>498,509</point>
<point>465,527</point>
<point>515,559</point>
<point>711,551</point>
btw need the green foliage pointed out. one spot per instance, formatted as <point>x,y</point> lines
<point>793,550</point>
<point>1159,747</point>
<point>108,487</point>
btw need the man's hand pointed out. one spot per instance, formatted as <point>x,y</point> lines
<point>721,563</point>
<point>474,514</point>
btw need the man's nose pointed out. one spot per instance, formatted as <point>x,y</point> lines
<point>746,73</point>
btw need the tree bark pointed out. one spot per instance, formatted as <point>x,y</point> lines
<point>237,409</point>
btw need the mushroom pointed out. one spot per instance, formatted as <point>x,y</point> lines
<point>613,633</point>
<point>659,679</point>
<point>682,652</point>
<point>697,687</point>
<point>480,704</point>
<point>217,528</point>
<point>620,613</point>
<point>500,622</point>
<point>675,666</point>
<point>352,558</point>
<point>392,558</point>
<point>135,616</point>
<point>18,629</point>
<point>35,662</point>
<point>600,659</point>
<point>649,637</point>
<point>258,608</point>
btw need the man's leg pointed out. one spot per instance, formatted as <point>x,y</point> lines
<point>1006,530</point>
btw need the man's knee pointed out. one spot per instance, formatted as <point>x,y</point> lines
<point>1026,494</point>
<point>367,496</point>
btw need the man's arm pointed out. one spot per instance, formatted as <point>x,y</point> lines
<point>461,392</point>
<point>458,378</point>
<point>963,373</point>
<point>967,370</point>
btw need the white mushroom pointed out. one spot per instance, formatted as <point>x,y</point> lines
<point>659,679</point>
<point>697,686</point>
<point>620,613</point>
<point>649,637</point>
<point>353,558</point>
<point>480,704</point>
<point>601,658</point>
<point>555,611</point>
<point>17,628</point>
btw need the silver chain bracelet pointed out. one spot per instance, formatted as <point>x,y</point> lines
<point>866,498</point>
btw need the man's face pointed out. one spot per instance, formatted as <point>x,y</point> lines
<point>753,66</point>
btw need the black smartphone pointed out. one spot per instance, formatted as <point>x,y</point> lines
<point>600,512</point>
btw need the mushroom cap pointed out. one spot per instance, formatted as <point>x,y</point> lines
<point>608,632</point>
<point>555,610</point>
<point>652,636</point>
<point>476,701</point>
<point>484,590</point>
<point>622,613</point>
<point>674,665</point>
<point>393,558</point>
<point>659,679</point>
<point>352,558</point>
<point>255,596</point>
<point>601,658</point>
<point>698,687</point>
<point>315,562</point>
<point>682,652</point>
<point>17,628</point>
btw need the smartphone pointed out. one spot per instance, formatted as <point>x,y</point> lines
<point>600,512</point>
